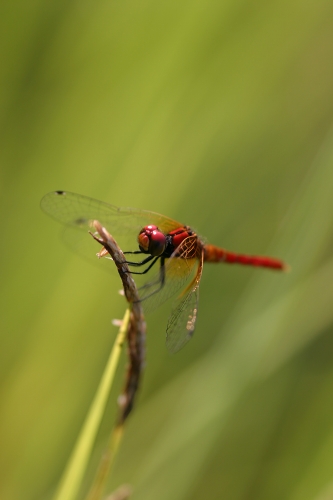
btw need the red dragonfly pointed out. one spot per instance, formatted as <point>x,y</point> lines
<point>179,251</point>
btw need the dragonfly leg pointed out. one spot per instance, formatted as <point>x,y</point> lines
<point>136,251</point>
<point>143,262</point>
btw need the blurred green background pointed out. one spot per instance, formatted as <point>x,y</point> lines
<point>217,114</point>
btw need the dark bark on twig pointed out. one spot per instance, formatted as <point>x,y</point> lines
<point>136,335</point>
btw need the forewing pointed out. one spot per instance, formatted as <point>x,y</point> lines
<point>178,271</point>
<point>183,318</point>
<point>77,212</point>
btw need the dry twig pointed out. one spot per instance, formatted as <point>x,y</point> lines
<point>136,334</point>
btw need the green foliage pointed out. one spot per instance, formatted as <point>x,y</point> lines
<point>218,114</point>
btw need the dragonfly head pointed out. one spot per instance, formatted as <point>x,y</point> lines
<point>152,240</point>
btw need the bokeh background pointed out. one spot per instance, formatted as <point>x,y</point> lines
<point>218,114</point>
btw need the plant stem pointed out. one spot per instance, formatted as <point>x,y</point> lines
<point>106,462</point>
<point>76,467</point>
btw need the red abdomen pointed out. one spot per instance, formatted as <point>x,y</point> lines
<point>216,254</point>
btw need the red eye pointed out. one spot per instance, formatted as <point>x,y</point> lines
<point>152,240</point>
<point>144,241</point>
<point>157,243</point>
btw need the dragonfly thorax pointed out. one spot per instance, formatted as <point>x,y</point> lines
<point>151,240</point>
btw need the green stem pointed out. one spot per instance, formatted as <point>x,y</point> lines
<point>106,462</point>
<point>76,467</point>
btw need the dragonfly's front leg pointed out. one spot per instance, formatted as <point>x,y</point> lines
<point>148,259</point>
<point>142,263</point>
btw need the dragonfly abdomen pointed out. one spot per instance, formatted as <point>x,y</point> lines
<point>216,254</point>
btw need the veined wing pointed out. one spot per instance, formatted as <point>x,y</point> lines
<point>76,213</point>
<point>183,318</point>
<point>76,210</point>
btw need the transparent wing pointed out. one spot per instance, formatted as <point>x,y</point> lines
<point>178,269</point>
<point>77,212</point>
<point>183,318</point>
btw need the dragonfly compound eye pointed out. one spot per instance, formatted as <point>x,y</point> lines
<point>152,240</point>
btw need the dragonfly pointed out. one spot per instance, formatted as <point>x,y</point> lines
<point>174,249</point>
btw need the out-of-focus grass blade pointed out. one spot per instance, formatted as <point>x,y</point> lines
<point>74,472</point>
